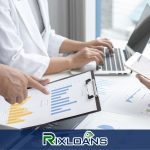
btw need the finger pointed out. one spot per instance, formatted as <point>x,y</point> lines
<point>33,83</point>
<point>97,56</point>
<point>20,99</point>
<point>94,58</point>
<point>144,80</point>
<point>97,51</point>
<point>108,46</point>
<point>26,93</point>
<point>45,82</point>
<point>108,41</point>
<point>11,101</point>
<point>41,81</point>
<point>100,48</point>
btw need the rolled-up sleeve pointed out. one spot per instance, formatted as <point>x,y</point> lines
<point>55,42</point>
<point>31,64</point>
<point>12,52</point>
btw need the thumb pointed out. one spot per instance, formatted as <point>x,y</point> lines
<point>144,80</point>
<point>35,84</point>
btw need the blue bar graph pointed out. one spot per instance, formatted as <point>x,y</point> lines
<point>60,100</point>
<point>63,88</point>
<point>57,106</point>
<point>58,109</point>
<point>58,112</point>
<point>57,100</point>
<point>58,94</point>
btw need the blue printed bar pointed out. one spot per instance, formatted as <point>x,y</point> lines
<point>56,109</point>
<point>64,104</point>
<point>54,104</point>
<point>64,90</point>
<point>58,112</point>
<point>57,100</point>
<point>58,94</point>
<point>61,88</point>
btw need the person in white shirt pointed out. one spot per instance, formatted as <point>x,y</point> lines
<point>144,80</point>
<point>29,44</point>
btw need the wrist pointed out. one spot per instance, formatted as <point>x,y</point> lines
<point>69,62</point>
<point>80,45</point>
<point>86,44</point>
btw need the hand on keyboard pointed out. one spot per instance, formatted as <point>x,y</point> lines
<point>100,44</point>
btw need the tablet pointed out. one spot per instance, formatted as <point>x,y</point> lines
<point>139,64</point>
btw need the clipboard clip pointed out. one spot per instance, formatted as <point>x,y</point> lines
<point>90,96</point>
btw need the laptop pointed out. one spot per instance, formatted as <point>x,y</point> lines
<point>114,64</point>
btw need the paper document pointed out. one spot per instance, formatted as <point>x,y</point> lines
<point>140,64</point>
<point>68,97</point>
<point>107,86</point>
<point>111,121</point>
<point>129,98</point>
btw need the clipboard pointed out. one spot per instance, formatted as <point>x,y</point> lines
<point>69,97</point>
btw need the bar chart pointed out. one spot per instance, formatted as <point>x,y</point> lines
<point>60,100</point>
<point>17,111</point>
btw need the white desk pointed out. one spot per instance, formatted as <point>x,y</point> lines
<point>114,91</point>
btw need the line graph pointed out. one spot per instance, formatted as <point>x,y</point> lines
<point>136,95</point>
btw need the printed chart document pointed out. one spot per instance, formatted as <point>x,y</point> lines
<point>69,97</point>
<point>129,97</point>
<point>112,121</point>
<point>106,86</point>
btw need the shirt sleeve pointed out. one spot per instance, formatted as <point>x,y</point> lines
<point>12,52</point>
<point>55,42</point>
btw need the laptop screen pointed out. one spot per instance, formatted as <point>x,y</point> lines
<point>141,34</point>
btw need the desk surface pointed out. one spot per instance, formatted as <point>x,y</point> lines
<point>112,91</point>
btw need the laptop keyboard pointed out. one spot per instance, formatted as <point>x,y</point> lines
<point>113,62</point>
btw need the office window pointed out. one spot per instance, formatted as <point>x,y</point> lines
<point>117,18</point>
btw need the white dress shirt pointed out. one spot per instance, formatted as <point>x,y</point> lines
<point>37,14</point>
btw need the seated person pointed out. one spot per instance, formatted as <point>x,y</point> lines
<point>14,84</point>
<point>29,44</point>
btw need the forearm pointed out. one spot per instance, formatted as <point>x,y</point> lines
<point>58,64</point>
<point>71,46</point>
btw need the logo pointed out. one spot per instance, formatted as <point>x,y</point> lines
<point>88,139</point>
